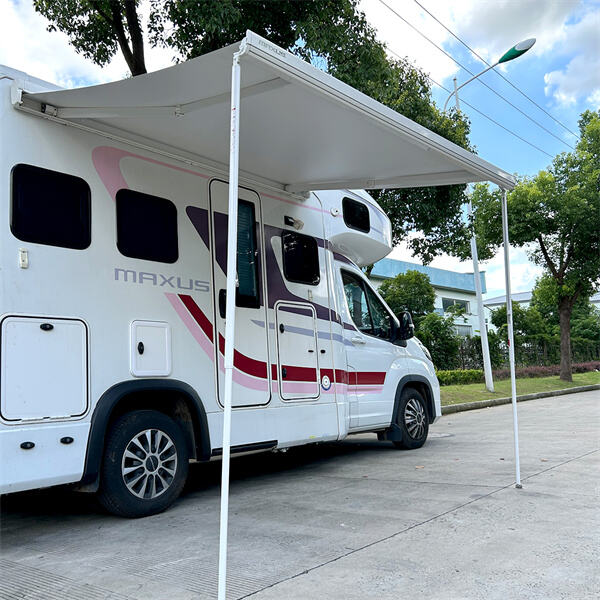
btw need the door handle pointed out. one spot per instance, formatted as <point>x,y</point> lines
<point>222,303</point>
<point>358,340</point>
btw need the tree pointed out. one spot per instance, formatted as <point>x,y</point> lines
<point>437,334</point>
<point>333,34</point>
<point>410,291</point>
<point>556,216</point>
<point>526,321</point>
<point>97,28</point>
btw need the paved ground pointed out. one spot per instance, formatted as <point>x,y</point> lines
<point>352,520</point>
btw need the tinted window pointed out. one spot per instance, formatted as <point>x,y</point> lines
<point>146,227</point>
<point>247,257</point>
<point>50,208</point>
<point>356,215</point>
<point>357,302</point>
<point>366,309</point>
<point>382,325</point>
<point>300,258</point>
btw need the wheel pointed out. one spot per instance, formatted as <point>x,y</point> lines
<point>145,464</point>
<point>412,420</point>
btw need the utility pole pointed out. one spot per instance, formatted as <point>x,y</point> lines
<point>485,348</point>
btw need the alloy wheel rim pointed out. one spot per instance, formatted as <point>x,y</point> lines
<point>414,419</point>
<point>149,464</point>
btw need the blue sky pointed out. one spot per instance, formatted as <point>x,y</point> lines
<point>561,73</point>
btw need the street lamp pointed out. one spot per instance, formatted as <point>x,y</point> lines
<point>516,51</point>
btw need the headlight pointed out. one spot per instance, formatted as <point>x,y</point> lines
<point>424,348</point>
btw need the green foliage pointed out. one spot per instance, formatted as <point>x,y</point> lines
<point>410,291</point>
<point>526,321</point>
<point>437,334</point>
<point>98,28</point>
<point>90,33</point>
<point>587,327</point>
<point>470,353</point>
<point>556,216</point>
<point>460,376</point>
<point>468,376</point>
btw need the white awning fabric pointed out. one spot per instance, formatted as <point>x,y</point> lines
<point>300,128</point>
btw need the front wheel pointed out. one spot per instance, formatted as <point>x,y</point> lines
<point>145,464</point>
<point>412,419</point>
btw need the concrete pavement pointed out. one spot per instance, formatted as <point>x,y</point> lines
<point>352,520</point>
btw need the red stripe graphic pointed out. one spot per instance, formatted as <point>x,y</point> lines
<point>198,315</point>
<point>250,366</point>
<point>258,368</point>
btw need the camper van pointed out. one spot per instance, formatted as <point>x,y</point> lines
<point>112,315</point>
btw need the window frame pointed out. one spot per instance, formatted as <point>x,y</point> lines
<point>283,260</point>
<point>244,300</point>
<point>345,201</point>
<point>454,303</point>
<point>129,190</point>
<point>87,201</point>
<point>365,285</point>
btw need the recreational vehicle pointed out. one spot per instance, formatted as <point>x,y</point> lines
<point>114,365</point>
<point>112,303</point>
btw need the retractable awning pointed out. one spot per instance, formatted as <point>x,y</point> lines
<point>301,130</point>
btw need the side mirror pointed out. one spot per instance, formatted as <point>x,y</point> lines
<point>406,329</point>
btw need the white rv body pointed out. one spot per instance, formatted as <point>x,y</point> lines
<point>88,334</point>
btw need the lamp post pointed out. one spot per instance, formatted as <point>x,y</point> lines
<point>516,51</point>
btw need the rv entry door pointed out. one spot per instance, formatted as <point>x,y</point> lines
<point>251,376</point>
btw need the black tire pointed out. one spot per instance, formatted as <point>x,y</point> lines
<point>155,477</point>
<point>412,419</point>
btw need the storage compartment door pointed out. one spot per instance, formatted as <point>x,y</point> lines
<point>150,349</point>
<point>44,368</point>
<point>298,368</point>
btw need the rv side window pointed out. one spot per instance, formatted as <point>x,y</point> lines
<point>356,215</point>
<point>247,257</point>
<point>300,258</point>
<point>50,208</point>
<point>146,227</point>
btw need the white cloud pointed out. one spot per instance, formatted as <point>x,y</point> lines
<point>567,29</point>
<point>26,45</point>
<point>580,78</point>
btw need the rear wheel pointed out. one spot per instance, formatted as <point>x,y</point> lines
<point>412,419</point>
<point>145,464</point>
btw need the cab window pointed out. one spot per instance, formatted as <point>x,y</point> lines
<point>368,313</point>
<point>357,302</point>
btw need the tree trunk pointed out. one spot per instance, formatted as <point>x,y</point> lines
<point>565,308</point>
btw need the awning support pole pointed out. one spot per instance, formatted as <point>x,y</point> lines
<point>234,150</point>
<point>511,338</point>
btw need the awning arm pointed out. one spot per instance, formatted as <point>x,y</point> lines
<point>234,153</point>
<point>511,339</point>
<point>179,110</point>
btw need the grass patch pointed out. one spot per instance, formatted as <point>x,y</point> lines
<point>455,394</point>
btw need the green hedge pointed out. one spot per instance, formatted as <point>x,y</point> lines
<point>465,376</point>
<point>460,376</point>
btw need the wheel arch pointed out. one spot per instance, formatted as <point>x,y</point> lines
<point>183,405</point>
<point>420,384</point>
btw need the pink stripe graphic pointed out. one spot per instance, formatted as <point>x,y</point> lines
<point>107,161</point>
<point>191,324</point>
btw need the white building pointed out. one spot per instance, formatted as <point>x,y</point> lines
<point>451,288</point>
